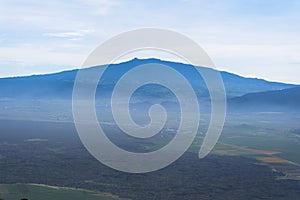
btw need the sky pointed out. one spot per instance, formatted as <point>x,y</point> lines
<point>252,38</point>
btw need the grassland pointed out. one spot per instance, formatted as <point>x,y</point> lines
<point>45,192</point>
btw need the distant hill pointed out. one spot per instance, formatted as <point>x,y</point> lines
<point>60,85</point>
<point>278,100</point>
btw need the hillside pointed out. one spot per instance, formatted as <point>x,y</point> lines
<point>60,85</point>
<point>277,100</point>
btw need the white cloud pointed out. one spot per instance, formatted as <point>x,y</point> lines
<point>33,55</point>
<point>72,35</point>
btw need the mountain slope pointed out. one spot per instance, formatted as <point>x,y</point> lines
<point>278,100</point>
<point>60,85</point>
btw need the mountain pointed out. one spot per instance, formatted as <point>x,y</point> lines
<point>278,100</point>
<point>60,85</point>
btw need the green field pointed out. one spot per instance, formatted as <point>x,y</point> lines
<point>44,192</point>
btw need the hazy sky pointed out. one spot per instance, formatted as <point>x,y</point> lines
<point>256,38</point>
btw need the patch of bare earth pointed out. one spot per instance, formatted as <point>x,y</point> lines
<point>273,160</point>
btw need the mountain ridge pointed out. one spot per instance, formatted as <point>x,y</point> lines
<point>60,85</point>
<point>144,59</point>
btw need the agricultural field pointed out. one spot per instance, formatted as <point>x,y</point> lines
<point>276,146</point>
